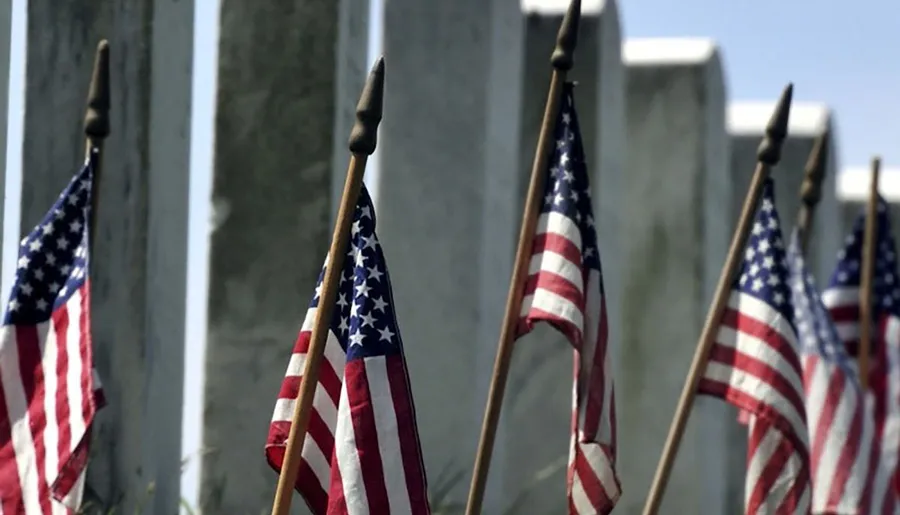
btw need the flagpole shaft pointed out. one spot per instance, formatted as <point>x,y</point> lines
<point>96,126</point>
<point>514,298</point>
<point>811,188</point>
<point>707,337</point>
<point>362,142</point>
<point>95,184</point>
<point>804,225</point>
<point>303,404</point>
<point>868,271</point>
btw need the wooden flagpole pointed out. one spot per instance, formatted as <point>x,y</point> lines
<point>96,126</point>
<point>811,189</point>
<point>767,156</point>
<point>870,247</point>
<point>363,139</point>
<point>562,60</point>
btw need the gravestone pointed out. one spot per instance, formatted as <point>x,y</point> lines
<point>140,251</point>
<point>446,212</point>
<point>853,194</point>
<point>677,186</point>
<point>538,405</point>
<point>746,127</point>
<point>288,83</point>
<point>746,124</point>
<point>5,64</point>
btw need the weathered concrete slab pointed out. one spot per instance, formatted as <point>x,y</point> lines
<point>746,126</point>
<point>677,186</point>
<point>853,193</point>
<point>538,404</point>
<point>138,281</point>
<point>449,151</point>
<point>288,80</point>
<point>5,63</point>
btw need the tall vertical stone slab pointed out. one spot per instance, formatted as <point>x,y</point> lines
<point>140,250</point>
<point>853,193</point>
<point>287,81</point>
<point>447,215</point>
<point>746,127</point>
<point>677,185</point>
<point>5,63</point>
<point>538,406</point>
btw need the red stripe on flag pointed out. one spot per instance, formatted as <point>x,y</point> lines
<point>407,433</point>
<point>59,326</point>
<point>365,433</point>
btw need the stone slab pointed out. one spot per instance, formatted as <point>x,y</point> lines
<point>746,124</point>
<point>853,194</point>
<point>140,255</point>
<point>677,186</point>
<point>449,150</point>
<point>288,82</point>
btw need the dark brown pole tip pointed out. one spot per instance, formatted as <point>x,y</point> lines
<point>567,37</point>
<point>364,136</point>
<point>816,166</point>
<point>96,119</point>
<point>776,131</point>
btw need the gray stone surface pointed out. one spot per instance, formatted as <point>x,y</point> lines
<point>538,405</point>
<point>5,62</point>
<point>288,80</point>
<point>853,193</point>
<point>676,190</point>
<point>446,208</point>
<point>746,126</point>
<point>138,279</point>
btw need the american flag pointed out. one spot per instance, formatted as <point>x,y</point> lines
<point>840,433</point>
<point>565,289</point>
<point>754,365</point>
<point>361,453</point>
<point>49,389</point>
<point>883,397</point>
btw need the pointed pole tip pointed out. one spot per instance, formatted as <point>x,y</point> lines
<point>364,135</point>
<point>816,169</point>
<point>777,129</point>
<point>567,38</point>
<point>96,119</point>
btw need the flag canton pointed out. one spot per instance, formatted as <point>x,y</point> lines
<point>363,319</point>
<point>847,273</point>
<point>53,257</point>
<point>568,190</point>
<point>815,329</point>
<point>764,273</point>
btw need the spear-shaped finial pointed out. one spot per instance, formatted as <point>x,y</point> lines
<point>776,131</point>
<point>364,136</point>
<point>567,37</point>
<point>811,189</point>
<point>96,119</point>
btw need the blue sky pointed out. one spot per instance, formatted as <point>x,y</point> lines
<point>846,58</point>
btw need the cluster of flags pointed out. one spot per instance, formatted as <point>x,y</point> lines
<point>784,355</point>
<point>362,452</point>
<point>820,440</point>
